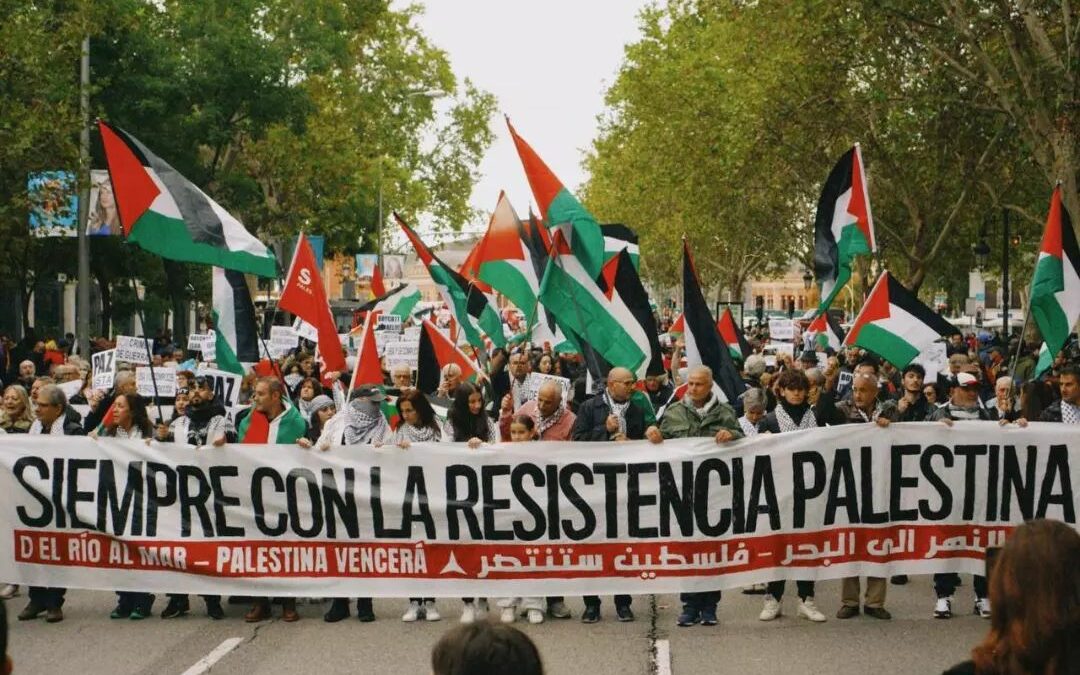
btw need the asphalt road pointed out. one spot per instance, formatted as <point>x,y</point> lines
<point>87,642</point>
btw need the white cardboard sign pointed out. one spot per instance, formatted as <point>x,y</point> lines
<point>104,369</point>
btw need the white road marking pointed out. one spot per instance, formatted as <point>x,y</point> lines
<point>663,658</point>
<point>207,662</point>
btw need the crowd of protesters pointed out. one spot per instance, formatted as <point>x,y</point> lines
<point>782,394</point>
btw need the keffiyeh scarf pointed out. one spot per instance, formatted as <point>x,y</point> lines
<point>618,410</point>
<point>57,428</point>
<point>1070,414</point>
<point>808,420</point>
<point>748,427</point>
<point>545,423</point>
<point>412,434</point>
<point>364,424</point>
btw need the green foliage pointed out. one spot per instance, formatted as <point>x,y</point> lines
<point>290,113</point>
<point>727,116</point>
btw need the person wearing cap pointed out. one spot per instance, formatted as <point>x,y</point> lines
<point>200,420</point>
<point>963,405</point>
<point>361,422</point>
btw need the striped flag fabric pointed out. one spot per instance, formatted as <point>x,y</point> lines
<point>1055,287</point>
<point>468,304</point>
<point>286,428</point>
<point>703,345</point>
<point>558,207</point>
<point>844,226</point>
<point>826,331</point>
<point>619,237</point>
<point>733,336</point>
<point>503,259</point>
<point>896,325</point>
<point>168,215</point>
<point>400,302</point>
<point>579,305</point>
<point>620,282</point>
<point>236,337</point>
<point>435,351</point>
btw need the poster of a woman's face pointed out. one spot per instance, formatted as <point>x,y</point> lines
<point>104,218</point>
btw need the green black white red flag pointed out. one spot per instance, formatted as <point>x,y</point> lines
<point>468,304</point>
<point>436,350</point>
<point>731,334</point>
<point>168,215</point>
<point>844,227</point>
<point>703,344</point>
<point>1055,288</point>
<point>236,334</point>
<point>895,324</point>
<point>827,331</point>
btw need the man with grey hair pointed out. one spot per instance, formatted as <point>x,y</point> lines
<point>700,414</point>
<point>611,416</point>
<point>27,373</point>
<point>401,376</point>
<point>1004,401</point>
<point>54,418</point>
<point>754,404</point>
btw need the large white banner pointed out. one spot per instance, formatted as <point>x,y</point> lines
<point>524,519</point>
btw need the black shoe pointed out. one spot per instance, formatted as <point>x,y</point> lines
<point>364,610</point>
<point>176,607</point>
<point>214,610</point>
<point>339,609</point>
<point>899,580</point>
<point>591,614</point>
<point>32,611</point>
<point>624,613</point>
<point>877,613</point>
<point>122,611</point>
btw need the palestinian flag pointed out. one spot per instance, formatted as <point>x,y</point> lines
<point>504,261</point>
<point>1055,288</point>
<point>896,325</point>
<point>733,336</point>
<point>619,281</point>
<point>678,327</point>
<point>560,208</point>
<point>435,351</point>
<point>618,237</point>
<point>703,345</point>
<point>399,302</point>
<point>378,288</point>
<point>1044,363</point>
<point>827,331</point>
<point>467,303</point>
<point>166,214</point>
<point>579,305</point>
<point>843,227</point>
<point>285,428</point>
<point>236,334</point>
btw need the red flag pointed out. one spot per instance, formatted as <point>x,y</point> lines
<point>377,285</point>
<point>436,351</point>
<point>368,370</point>
<point>305,296</point>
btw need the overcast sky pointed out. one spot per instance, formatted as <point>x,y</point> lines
<point>548,62</point>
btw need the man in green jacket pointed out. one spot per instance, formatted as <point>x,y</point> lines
<point>700,414</point>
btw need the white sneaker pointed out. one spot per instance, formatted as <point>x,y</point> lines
<point>771,610</point>
<point>808,610</point>
<point>508,614</point>
<point>430,612</point>
<point>943,608</point>
<point>535,616</point>
<point>468,613</point>
<point>982,607</point>
<point>412,613</point>
<point>9,591</point>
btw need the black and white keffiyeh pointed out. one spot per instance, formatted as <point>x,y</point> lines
<point>1070,414</point>
<point>748,427</point>
<point>545,423</point>
<point>364,424</point>
<point>618,410</point>
<point>807,421</point>
<point>413,434</point>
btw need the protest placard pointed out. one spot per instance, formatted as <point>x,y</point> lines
<point>104,369</point>
<point>782,348</point>
<point>306,330</point>
<point>71,388</point>
<point>538,379</point>
<point>204,343</point>
<point>164,377</point>
<point>226,385</point>
<point>411,334</point>
<point>401,353</point>
<point>282,340</point>
<point>391,322</point>
<point>781,329</point>
<point>131,350</point>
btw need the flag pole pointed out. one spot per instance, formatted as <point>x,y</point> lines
<point>149,353</point>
